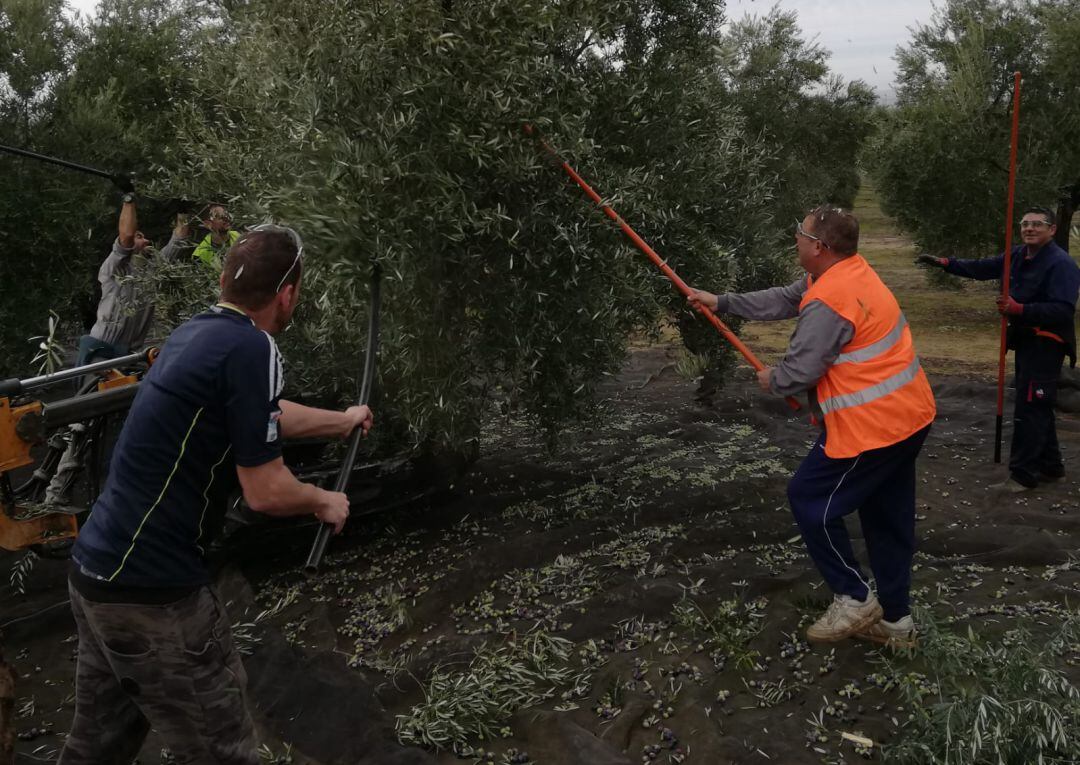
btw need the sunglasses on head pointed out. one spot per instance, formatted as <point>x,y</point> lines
<point>297,242</point>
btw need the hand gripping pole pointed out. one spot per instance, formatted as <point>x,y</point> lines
<point>322,538</point>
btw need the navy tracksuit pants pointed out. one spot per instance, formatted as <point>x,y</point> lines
<point>1035,451</point>
<point>880,485</point>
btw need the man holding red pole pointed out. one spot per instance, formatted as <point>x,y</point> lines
<point>1043,286</point>
<point>853,354</point>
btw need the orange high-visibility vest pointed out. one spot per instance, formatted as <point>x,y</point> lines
<point>875,394</point>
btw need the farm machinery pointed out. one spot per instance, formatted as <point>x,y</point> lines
<point>31,425</point>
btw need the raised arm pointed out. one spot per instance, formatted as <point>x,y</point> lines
<point>129,223</point>
<point>180,233</point>
<point>764,305</point>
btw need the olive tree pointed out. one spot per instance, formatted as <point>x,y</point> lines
<point>35,48</point>
<point>392,134</point>
<point>941,157</point>
<point>98,92</point>
<point>814,122</point>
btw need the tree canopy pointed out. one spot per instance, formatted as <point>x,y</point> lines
<point>943,153</point>
<point>391,133</point>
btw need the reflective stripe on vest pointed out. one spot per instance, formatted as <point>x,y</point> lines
<point>872,393</point>
<point>876,348</point>
<point>875,393</point>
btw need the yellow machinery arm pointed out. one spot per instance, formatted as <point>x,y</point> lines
<point>15,453</point>
<point>26,424</point>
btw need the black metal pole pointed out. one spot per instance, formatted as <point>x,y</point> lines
<point>322,539</point>
<point>15,386</point>
<point>59,162</point>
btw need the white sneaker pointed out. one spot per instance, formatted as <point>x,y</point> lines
<point>898,634</point>
<point>844,618</point>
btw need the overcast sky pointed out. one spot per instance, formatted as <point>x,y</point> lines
<point>862,35</point>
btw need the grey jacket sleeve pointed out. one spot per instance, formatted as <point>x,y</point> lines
<point>116,261</point>
<point>764,305</point>
<point>171,250</point>
<point>819,336</point>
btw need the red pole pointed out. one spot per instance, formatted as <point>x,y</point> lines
<point>711,317</point>
<point>1008,262</point>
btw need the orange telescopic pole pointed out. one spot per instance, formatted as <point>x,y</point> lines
<point>711,317</point>
<point>1008,263</point>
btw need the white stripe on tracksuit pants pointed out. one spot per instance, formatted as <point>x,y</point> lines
<point>880,485</point>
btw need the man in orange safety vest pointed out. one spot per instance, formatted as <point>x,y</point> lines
<point>853,354</point>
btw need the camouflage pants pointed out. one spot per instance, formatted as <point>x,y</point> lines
<point>172,668</point>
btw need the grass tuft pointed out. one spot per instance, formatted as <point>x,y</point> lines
<point>998,700</point>
<point>476,702</point>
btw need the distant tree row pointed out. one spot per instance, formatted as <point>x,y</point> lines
<point>941,156</point>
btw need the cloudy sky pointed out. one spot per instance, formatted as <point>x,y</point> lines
<point>862,35</point>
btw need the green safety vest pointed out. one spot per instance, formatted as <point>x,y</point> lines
<point>208,253</point>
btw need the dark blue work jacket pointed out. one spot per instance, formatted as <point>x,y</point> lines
<point>1047,284</point>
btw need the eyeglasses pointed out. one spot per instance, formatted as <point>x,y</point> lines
<point>1034,224</point>
<point>297,242</point>
<point>217,212</point>
<point>800,231</point>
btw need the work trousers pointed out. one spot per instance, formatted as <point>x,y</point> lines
<point>880,485</point>
<point>91,349</point>
<point>71,463</point>
<point>1035,451</point>
<point>172,668</point>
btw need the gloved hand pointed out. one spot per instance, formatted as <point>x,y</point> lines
<point>930,260</point>
<point>124,183</point>
<point>1009,307</point>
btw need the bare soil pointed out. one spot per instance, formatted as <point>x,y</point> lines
<point>664,506</point>
<point>657,541</point>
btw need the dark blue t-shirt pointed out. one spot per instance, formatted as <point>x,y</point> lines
<point>208,404</point>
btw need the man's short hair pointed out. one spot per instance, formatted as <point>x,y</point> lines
<point>837,229</point>
<point>1046,212</point>
<point>255,266</point>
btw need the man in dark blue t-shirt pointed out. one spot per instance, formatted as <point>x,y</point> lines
<point>154,641</point>
<point>1044,283</point>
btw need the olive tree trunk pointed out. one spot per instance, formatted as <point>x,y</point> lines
<point>1066,207</point>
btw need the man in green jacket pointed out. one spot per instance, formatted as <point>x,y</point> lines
<point>221,237</point>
